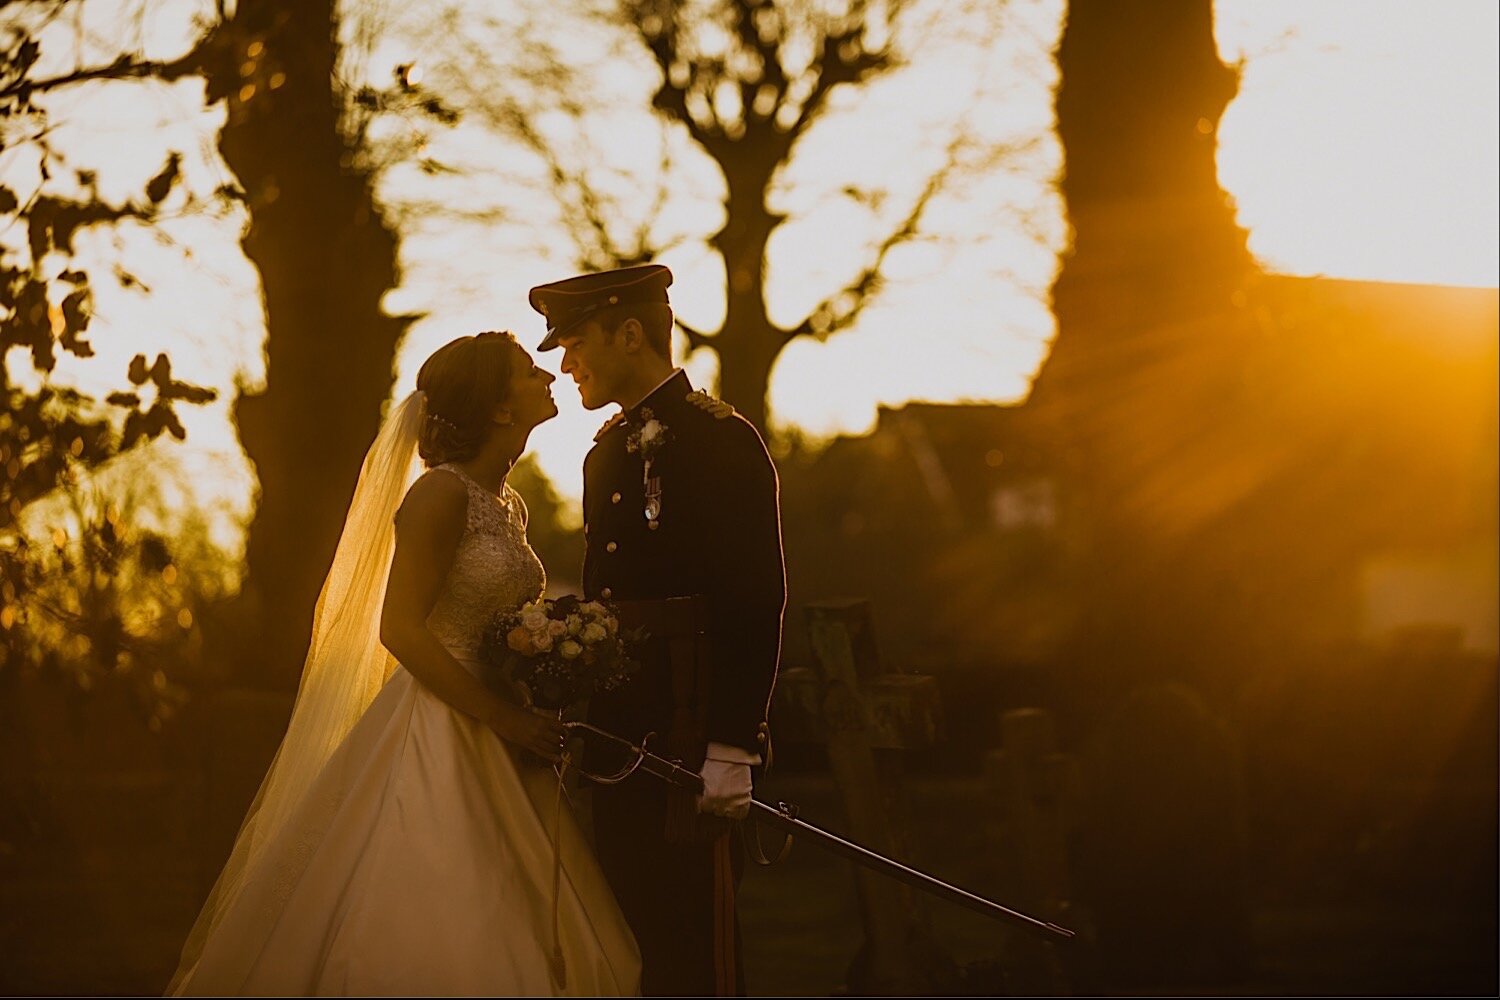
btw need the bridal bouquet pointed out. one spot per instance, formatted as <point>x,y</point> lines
<point>561,651</point>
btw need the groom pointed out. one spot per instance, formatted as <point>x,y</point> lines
<point>679,501</point>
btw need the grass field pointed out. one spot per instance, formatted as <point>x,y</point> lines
<point>103,910</point>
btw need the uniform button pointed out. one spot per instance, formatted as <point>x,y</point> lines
<point>606,593</point>
<point>610,547</point>
<point>653,525</point>
<point>615,498</point>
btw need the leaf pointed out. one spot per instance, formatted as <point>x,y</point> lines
<point>188,393</point>
<point>154,554</point>
<point>76,345</point>
<point>161,371</point>
<point>76,316</point>
<point>170,422</point>
<point>138,370</point>
<point>438,110</point>
<point>123,399</point>
<point>134,429</point>
<point>39,229</point>
<point>158,187</point>
<point>27,55</point>
<point>128,280</point>
<point>8,202</point>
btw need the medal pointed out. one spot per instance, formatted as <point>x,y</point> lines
<point>653,494</point>
<point>645,440</point>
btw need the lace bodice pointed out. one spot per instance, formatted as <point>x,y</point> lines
<point>493,568</point>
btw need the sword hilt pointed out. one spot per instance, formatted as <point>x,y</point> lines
<point>668,769</point>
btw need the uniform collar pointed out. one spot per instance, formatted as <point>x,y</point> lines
<point>672,390</point>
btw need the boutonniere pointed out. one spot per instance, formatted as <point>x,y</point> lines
<point>646,439</point>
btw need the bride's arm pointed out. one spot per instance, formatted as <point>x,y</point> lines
<point>428,528</point>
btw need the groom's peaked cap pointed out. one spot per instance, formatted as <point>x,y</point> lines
<point>569,302</point>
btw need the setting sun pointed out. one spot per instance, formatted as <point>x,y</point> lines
<point>1363,142</point>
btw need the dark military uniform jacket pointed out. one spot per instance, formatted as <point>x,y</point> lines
<point>718,535</point>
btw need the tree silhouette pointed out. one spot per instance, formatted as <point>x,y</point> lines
<point>63,594</point>
<point>743,81</point>
<point>1147,377</point>
<point>46,311</point>
<point>325,259</point>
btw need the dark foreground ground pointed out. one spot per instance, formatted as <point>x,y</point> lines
<point>103,911</point>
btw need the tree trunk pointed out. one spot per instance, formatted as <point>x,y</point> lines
<point>325,259</point>
<point>1146,374</point>
<point>748,344</point>
<point>1154,237</point>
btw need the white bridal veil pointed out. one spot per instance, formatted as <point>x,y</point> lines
<point>345,668</point>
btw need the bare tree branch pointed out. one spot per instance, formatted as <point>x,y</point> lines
<point>659,27</point>
<point>743,81</point>
<point>842,309</point>
<point>544,90</point>
<point>842,59</point>
<point>126,67</point>
<point>762,93</point>
<point>696,338</point>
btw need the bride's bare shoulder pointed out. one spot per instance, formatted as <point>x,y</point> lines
<point>438,497</point>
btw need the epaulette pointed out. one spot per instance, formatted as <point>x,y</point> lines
<point>709,404</point>
<point>610,424</point>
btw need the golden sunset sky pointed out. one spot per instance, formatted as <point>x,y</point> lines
<point>1363,144</point>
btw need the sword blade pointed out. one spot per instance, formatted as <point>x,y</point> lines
<point>783,817</point>
<point>785,820</point>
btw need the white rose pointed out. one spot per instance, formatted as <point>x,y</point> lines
<point>651,431</point>
<point>593,608</point>
<point>557,629</point>
<point>569,649</point>
<point>534,620</point>
<point>575,624</point>
<point>594,633</point>
<point>542,641</point>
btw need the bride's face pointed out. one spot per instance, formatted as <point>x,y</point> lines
<point>530,400</point>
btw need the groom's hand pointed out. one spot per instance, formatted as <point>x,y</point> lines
<point>726,782</point>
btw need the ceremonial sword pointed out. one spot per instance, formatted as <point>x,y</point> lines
<point>783,817</point>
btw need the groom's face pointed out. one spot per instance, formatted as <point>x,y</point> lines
<point>595,360</point>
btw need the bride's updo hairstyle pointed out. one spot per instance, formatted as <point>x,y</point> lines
<point>464,381</point>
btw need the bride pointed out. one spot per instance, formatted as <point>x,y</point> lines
<point>399,844</point>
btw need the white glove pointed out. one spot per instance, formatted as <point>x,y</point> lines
<point>726,784</point>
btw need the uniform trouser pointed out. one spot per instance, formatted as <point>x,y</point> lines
<point>666,891</point>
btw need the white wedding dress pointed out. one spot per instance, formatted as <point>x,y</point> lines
<point>420,860</point>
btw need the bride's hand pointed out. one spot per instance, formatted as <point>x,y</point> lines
<point>542,734</point>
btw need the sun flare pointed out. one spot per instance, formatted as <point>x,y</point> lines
<point>1363,143</point>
